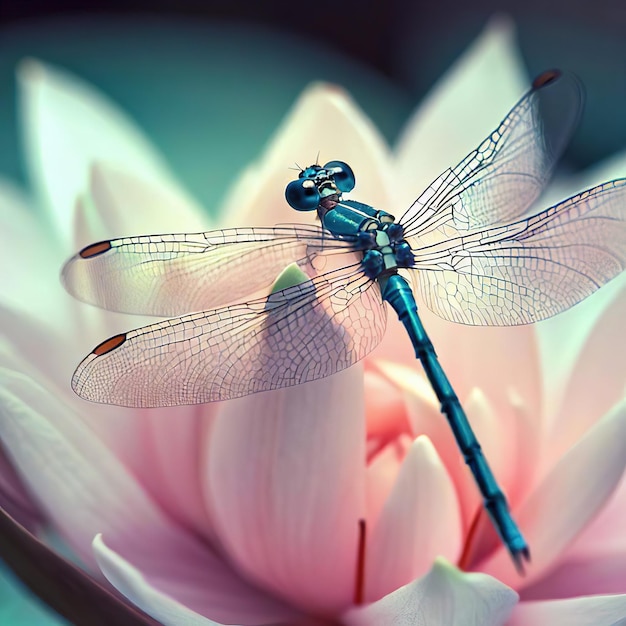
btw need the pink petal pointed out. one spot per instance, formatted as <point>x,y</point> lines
<point>324,116</point>
<point>463,108</point>
<point>581,408</point>
<point>570,496</point>
<point>592,611</point>
<point>426,419</point>
<point>385,412</point>
<point>443,596</point>
<point>165,450</point>
<point>419,521</point>
<point>382,472</point>
<point>68,125</point>
<point>68,470</point>
<point>605,534</point>
<point>85,490</point>
<point>183,583</point>
<point>581,576</point>
<point>286,488</point>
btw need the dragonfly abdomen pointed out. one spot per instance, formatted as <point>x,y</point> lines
<point>398,293</point>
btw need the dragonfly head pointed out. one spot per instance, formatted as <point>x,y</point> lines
<point>316,183</point>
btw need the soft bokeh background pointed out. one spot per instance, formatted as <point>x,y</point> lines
<point>209,83</point>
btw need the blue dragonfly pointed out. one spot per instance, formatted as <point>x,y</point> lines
<point>480,257</point>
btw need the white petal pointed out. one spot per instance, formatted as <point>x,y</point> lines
<point>468,102</point>
<point>67,125</point>
<point>587,611</point>
<point>183,583</point>
<point>420,521</point>
<point>443,597</point>
<point>129,204</point>
<point>29,259</point>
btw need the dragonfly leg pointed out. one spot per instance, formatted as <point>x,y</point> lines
<point>398,293</point>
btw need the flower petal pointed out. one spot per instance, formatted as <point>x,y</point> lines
<point>67,125</point>
<point>568,497</point>
<point>563,338</point>
<point>580,408</point>
<point>443,596</point>
<point>382,472</point>
<point>85,490</point>
<point>323,117</point>
<point>385,411</point>
<point>30,259</point>
<point>581,576</point>
<point>592,611</point>
<point>67,469</point>
<point>37,349</point>
<point>286,488</point>
<point>133,585</point>
<point>462,109</point>
<point>420,521</point>
<point>62,585</point>
<point>165,451</point>
<point>128,204</point>
<point>185,586</point>
<point>426,419</point>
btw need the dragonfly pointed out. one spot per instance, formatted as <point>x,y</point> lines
<point>469,245</point>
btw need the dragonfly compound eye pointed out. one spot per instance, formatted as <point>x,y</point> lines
<point>342,175</point>
<point>302,195</point>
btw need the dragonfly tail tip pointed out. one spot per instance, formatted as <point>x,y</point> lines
<point>519,556</point>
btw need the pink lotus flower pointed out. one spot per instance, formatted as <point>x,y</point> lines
<point>343,500</point>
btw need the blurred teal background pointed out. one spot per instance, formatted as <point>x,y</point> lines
<point>208,95</point>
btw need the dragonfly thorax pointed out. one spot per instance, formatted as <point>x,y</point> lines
<point>375,232</point>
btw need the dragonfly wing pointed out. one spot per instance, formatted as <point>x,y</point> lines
<point>296,335</point>
<point>531,269</point>
<point>499,180</point>
<point>168,275</point>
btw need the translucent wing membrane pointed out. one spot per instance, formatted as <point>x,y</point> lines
<point>501,179</point>
<point>174,274</point>
<point>531,269</point>
<point>296,335</point>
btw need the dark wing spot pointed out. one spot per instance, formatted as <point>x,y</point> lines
<point>95,249</point>
<point>109,344</point>
<point>546,78</point>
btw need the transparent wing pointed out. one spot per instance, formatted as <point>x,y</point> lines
<point>529,270</point>
<point>501,179</point>
<point>168,275</point>
<point>296,335</point>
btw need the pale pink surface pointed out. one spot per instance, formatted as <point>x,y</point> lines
<point>249,512</point>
